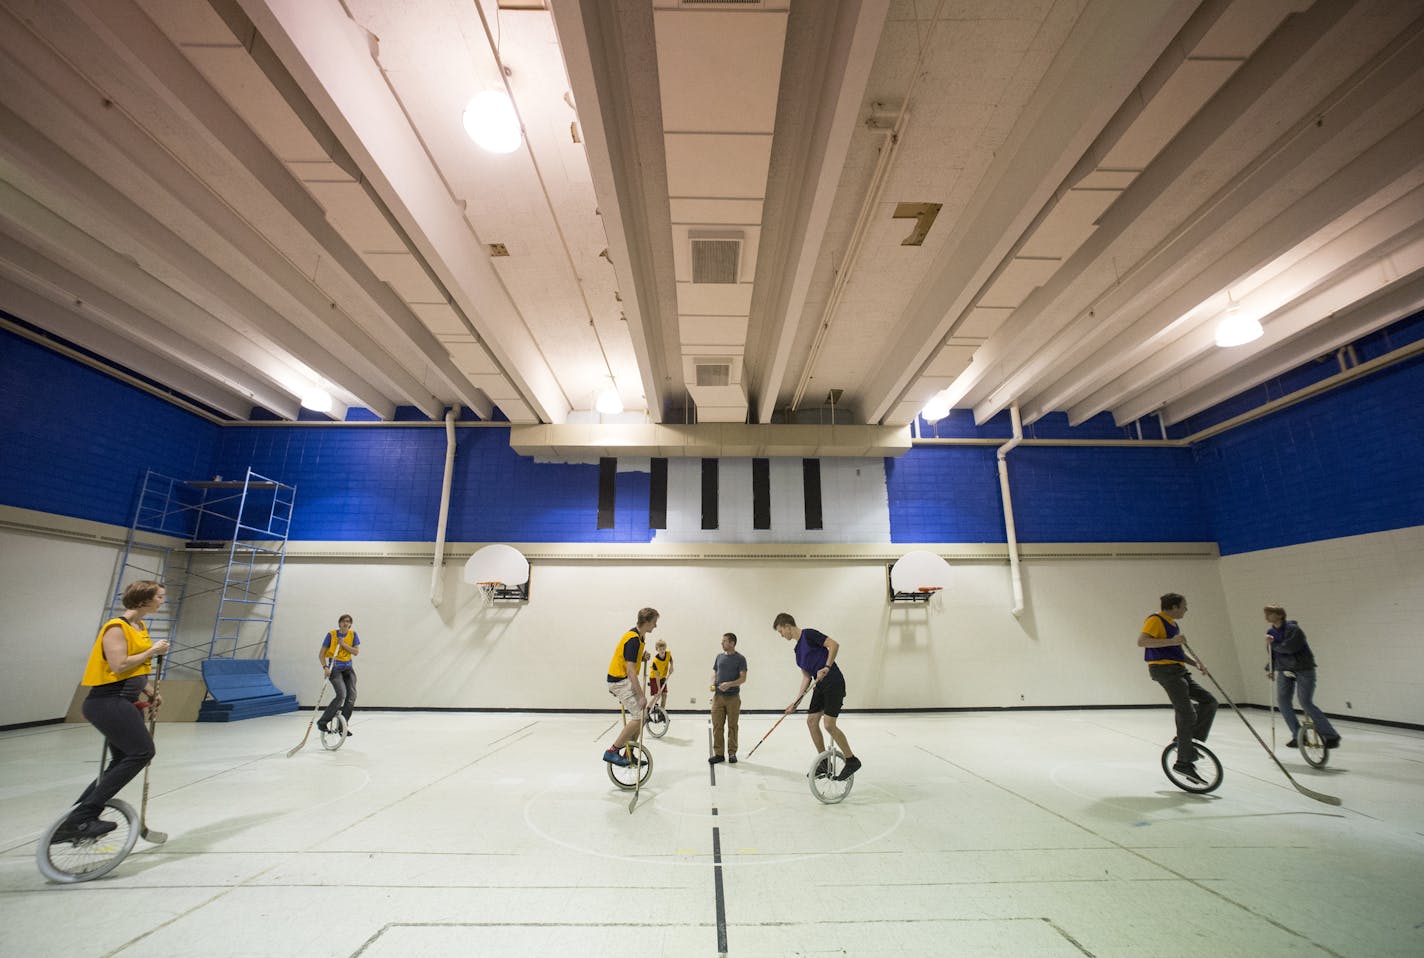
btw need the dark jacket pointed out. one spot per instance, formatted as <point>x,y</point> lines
<point>1289,650</point>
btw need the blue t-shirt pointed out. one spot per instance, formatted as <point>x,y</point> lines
<point>811,652</point>
<point>728,667</point>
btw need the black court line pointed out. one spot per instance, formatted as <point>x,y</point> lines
<point>717,880</point>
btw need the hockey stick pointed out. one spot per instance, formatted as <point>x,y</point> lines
<point>1308,793</point>
<point>1271,702</point>
<point>642,724</point>
<point>151,834</point>
<point>316,710</point>
<point>780,720</point>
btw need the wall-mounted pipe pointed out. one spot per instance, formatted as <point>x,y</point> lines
<point>1013,541</point>
<point>437,576</point>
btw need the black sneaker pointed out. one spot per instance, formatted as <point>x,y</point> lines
<point>715,759</point>
<point>823,768</point>
<point>732,759</point>
<point>82,831</point>
<point>1332,741</point>
<point>1188,771</point>
<point>321,727</point>
<point>852,766</point>
<point>1293,743</point>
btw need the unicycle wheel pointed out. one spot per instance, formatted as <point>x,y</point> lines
<point>334,735</point>
<point>658,721</point>
<point>1312,746</point>
<point>824,785</point>
<point>635,775</point>
<point>1207,765</point>
<point>84,859</point>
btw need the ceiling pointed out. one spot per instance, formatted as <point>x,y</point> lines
<point>246,200</point>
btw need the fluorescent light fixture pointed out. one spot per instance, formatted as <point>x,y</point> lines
<point>317,400</point>
<point>609,402</point>
<point>492,123</point>
<point>937,408</point>
<point>1237,329</point>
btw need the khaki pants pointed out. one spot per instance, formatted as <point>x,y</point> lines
<point>725,708</point>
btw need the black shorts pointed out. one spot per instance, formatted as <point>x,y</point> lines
<point>829,694</point>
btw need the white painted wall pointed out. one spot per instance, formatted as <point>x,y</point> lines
<point>1075,644</point>
<point>1357,598</point>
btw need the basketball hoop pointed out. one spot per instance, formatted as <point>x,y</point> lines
<point>931,593</point>
<point>487,591</point>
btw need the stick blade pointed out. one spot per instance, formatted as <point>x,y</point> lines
<point>1318,796</point>
<point>152,835</point>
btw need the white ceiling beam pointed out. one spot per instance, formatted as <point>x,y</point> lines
<point>1064,314</point>
<point>632,192</point>
<point>74,324</point>
<point>329,56</point>
<point>1218,378</point>
<point>171,75</point>
<point>55,240</point>
<point>815,123</point>
<point>1081,91</point>
<point>231,240</point>
<point>30,269</point>
<point>1124,372</point>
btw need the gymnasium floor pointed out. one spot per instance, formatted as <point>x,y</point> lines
<point>1021,833</point>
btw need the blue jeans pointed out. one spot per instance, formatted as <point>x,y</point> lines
<point>1302,682</point>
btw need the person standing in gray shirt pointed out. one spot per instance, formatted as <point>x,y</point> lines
<point>729,671</point>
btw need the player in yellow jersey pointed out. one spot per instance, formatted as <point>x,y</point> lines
<point>335,655</point>
<point>120,669</point>
<point>659,671</point>
<point>624,684</point>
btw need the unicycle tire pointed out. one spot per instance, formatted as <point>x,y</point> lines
<point>636,775</point>
<point>1312,747</point>
<point>658,721</point>
<point>334,735</point>
<point>85,859</point>
<point>1208,768</point>
<point>822,776</point>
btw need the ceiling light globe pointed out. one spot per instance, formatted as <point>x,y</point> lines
<point>937,408</point>
<point>1236,329</point>
<point>317,400</point>
<point>491,122</point>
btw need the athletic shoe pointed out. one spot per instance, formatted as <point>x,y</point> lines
<point>1293,743</point>
<point>732,759</point>
<point>1331,741</point>
<point>81,831</point>
<point>320,727</point>
<point>612,757</point>
<point>823,768</point>
<point>852,766</point>
<point>1188,771</point>
<point>713,760</point>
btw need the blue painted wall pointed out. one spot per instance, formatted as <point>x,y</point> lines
<point>1344,463</point>
<point>76,442</point>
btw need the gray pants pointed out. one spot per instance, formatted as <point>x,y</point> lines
<point>344,681</point>
<point>1194,705</point>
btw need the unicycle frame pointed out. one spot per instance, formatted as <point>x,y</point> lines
<point>88,859</point>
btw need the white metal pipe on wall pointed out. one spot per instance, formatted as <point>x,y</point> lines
<point>1012,535</point>
<point>437,577</point>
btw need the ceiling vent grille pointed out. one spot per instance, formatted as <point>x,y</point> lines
<point>716,259</point>
<point>713,372</point>
<point>722,3</point>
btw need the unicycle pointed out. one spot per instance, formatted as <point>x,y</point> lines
<point>1312,747</point>
<point>334,735</point>
<point>71,860</point>
<point>1208,767</point>
<point>635,775</point>
<point>824,769</point>
<point>658,721</point>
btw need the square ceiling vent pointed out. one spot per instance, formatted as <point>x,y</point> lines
<point>716,258</point>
